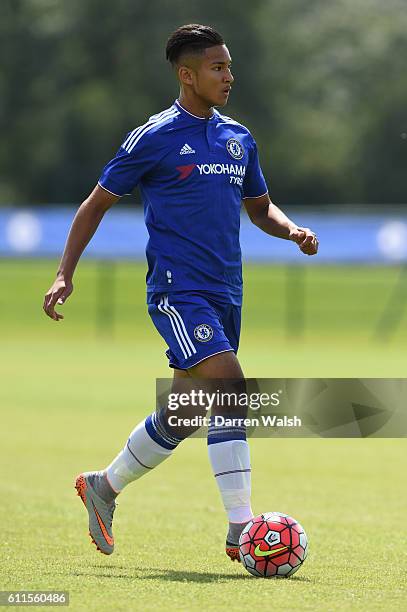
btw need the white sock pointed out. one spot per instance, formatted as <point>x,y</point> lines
<point>148,446</point>
<point>230,462</point>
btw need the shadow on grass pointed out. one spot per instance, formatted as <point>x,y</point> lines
<point>155,573</point>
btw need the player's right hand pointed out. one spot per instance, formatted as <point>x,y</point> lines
<point>57,294</point>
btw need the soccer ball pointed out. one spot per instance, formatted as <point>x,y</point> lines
<point>273,545</point>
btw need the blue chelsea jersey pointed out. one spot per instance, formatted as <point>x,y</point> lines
<point>192,173</point>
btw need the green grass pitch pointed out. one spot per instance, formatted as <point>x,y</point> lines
<point>70,392</point>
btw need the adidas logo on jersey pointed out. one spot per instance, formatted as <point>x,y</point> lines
<point>186,150</point>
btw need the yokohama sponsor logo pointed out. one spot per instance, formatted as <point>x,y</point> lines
<point>233,169</point>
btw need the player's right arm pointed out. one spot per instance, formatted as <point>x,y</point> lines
<point>136,156</point>
<point>85,224</point>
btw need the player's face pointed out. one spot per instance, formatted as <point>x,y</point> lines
<point>212,78</point>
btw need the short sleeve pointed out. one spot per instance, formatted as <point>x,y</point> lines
<point>135,158</point>
<point>254,184</point>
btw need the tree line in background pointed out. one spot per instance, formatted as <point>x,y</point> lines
<point>321,84</point>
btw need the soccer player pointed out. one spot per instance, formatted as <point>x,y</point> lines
<point>194,166</point>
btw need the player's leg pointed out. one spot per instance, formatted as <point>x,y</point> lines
<point>152,441</point>
<point>228,449</point>
<point>203,335</point>
<point>149,444</point>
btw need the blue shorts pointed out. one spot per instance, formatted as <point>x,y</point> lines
<point>195,326</point>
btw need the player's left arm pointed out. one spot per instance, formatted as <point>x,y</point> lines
<point>268,217</point>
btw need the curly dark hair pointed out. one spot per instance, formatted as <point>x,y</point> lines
<point>191,38</point>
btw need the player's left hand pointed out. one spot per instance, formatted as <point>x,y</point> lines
<point>306,240</point>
